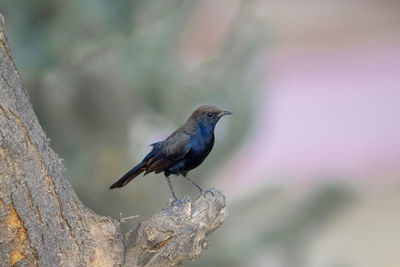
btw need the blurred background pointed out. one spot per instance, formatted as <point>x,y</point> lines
<point>310,161</point>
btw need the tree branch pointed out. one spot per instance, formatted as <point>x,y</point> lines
<point>42,221</point>
<point>176,233</point>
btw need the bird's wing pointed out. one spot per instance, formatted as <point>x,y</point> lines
<point>177,145</point>
<point>174,148</point>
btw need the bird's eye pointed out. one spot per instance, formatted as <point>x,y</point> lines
<point>209,114</point>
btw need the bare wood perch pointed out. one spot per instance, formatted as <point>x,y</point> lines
<point>42,221</point>
<point>176,233</point>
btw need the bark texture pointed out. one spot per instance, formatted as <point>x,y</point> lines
<point>42,221</point>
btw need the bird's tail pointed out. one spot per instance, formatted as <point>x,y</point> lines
<point>130,175</point>
<point>141,167</point>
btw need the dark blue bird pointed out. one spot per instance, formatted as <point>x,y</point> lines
<point>183,150</point>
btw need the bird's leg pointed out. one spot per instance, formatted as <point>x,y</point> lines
<point>198,187</point>
<point>170,187</point>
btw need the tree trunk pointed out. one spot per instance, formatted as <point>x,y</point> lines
<point>42,221</point>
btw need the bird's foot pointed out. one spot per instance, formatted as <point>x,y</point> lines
<point>208,191</point>
<point>179,201</point>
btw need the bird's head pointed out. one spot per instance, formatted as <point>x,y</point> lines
<point>208,115</point>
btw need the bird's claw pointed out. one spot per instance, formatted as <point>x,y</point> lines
<point>211,191</point>
<point>177,201</point>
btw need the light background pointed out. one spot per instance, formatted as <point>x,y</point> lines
<point>310,161</point>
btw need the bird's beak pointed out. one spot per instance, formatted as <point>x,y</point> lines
<point>225,112</point>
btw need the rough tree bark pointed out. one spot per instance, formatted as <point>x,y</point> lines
<point>42,221</point>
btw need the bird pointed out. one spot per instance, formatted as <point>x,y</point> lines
<point>182,151</point>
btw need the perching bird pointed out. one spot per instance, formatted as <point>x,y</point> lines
<point>182,151</point>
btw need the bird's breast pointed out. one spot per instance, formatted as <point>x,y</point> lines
<point>201,147</point>
<point>202,143</point>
